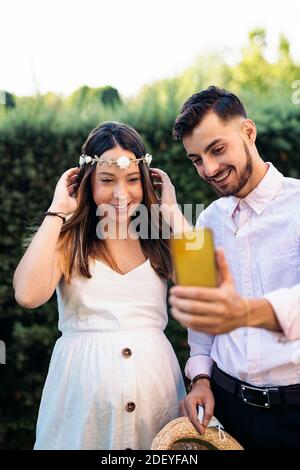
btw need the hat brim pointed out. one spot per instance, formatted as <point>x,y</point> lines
<point>181,434</point>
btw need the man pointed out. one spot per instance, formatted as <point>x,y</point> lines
<point>244,335</point>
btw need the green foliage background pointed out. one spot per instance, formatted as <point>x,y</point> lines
<point>41,136</point>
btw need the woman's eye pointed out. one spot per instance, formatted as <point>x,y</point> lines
<point>111,181</point>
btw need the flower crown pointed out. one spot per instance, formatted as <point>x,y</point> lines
<point>122,162</point>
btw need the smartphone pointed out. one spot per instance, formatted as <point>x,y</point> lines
<point>194,258</point>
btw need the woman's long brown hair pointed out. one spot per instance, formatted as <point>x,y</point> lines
<point>78,242</point>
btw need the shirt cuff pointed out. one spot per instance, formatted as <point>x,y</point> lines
<point>286,307</point>
<point>199,364</point>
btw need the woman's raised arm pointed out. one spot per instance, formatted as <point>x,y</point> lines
<point>39,271</point>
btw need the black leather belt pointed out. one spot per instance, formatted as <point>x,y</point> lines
<point>264,397</point>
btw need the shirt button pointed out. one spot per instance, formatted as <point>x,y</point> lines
<point>130,407</point>
<point>126,352</point>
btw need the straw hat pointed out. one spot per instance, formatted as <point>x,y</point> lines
<point>180,434</point>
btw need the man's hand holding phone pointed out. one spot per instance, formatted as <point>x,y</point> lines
<point>212,310</point>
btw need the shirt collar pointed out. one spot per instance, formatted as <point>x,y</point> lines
<point>263,193</point>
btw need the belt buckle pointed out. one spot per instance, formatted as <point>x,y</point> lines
<point>263,396</point>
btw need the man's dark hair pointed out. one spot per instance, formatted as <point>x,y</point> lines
<point>223,103</point>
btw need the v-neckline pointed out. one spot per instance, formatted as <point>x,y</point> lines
<point>128,272</point>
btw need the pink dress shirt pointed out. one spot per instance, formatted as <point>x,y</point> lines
<point>264,258</point>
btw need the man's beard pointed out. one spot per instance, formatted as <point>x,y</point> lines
<point>244,178</point>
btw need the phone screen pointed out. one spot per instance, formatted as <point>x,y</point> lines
<point>194,258</point>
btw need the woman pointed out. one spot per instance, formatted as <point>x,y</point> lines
<point>114,380</point>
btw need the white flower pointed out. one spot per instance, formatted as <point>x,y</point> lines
<point>84,159</point>
<point>81,160</point>
<point>148,158</point>
<point>123,162</point>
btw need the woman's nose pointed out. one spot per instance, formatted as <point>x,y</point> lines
<point>120,192</point>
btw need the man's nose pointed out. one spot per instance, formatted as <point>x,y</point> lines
<point>211,167</point>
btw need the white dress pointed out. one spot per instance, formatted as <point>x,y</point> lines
<point>114,380</point>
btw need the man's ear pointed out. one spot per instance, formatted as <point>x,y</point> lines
<point>249,130</point>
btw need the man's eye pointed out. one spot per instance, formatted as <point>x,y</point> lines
<point>197,161</point>
<point>218,150</point>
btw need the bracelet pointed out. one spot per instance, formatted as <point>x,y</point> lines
<point>55,213</point>
<point>199,376</point>
<point>247,308</point>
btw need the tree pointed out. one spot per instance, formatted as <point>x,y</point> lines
<point>86,96</point>
<point>253,72</point>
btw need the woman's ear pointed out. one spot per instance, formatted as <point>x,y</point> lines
<point>249,129</point>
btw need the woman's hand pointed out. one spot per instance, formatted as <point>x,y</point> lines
<point>168,203</point>
<point>63,200</point>
<point>164,185</point>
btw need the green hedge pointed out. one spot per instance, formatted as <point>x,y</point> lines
<point>38,143</point>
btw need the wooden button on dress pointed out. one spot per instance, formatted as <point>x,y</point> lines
<point>126,352</point>
<point>130,407</point>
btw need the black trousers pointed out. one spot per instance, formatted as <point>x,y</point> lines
<point>257,428</point>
